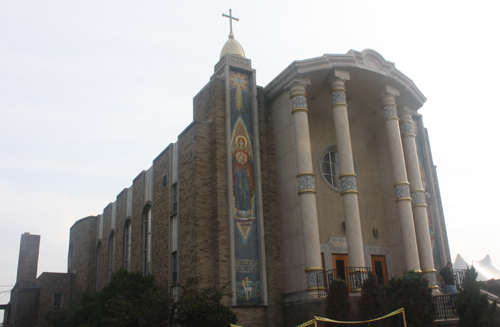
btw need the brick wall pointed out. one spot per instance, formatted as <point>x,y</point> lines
<point>28,257</point>
<point>82,236</point>
<point>161,166</point>
<point>49,284</point>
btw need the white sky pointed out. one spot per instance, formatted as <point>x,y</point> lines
<point>92,91</point>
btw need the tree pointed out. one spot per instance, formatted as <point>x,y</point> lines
<point>337,302</point>
<point>134,300</point>
<point>416,299</point>
<point>372,302</point>
<point>202,307</point>
<point>473,307</point>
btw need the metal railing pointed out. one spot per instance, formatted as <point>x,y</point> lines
<point>458,276</point>
<point>445,306</point>
<point>353,276</point>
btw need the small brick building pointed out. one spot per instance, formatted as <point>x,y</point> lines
<point>326,171</point>
<point>31,297</point>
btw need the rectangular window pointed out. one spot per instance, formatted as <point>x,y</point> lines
<point>174,199</point>
<point>127,245</point>
<point>174,268</point>
<point>57,299</point>
<point>165,181</point>
<point>149,237</point>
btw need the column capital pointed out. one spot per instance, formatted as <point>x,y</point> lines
<point>406,113</point>
<point>337,79</point>
<point>298,85</point>
<point>387,94</point>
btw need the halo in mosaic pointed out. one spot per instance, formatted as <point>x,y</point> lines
<point>418,197</point>
<point>299,101</point>
<point>306,182</point>
<point>338,96</point>
<point>431,277</point>
<point>314,279</point>
<point>402,191</point>
<point>407,128</point>
<point>347,183</point>
<point>390,111</point>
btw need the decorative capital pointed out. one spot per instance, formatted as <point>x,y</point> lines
<point>298,85</point>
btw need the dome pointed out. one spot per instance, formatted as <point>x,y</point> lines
<point>232,47</point>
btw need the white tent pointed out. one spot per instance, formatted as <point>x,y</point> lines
<point>485,268</point>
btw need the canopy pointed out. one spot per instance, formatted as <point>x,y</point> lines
<point>485,268</point>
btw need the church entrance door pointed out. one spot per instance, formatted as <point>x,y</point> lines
<point>379,267</point>
<point>340,263</point>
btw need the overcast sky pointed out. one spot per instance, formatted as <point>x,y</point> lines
<point>92,91</point>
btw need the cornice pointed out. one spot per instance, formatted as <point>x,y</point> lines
<point>367,59</point>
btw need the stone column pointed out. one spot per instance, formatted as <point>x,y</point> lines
<point>417,198</point>
<point>401,186</point>
<point>305,179</point>
<point>347,175</point>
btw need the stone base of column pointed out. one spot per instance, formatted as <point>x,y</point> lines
<point>315,279</point>
<point>430,275</point>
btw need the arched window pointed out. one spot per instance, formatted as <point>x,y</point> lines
<point>111,255</point>
<point>146,240</point>
<point>98,267</point>
<point>127,245</point>
<point>330,168</point>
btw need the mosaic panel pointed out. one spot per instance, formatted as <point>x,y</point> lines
<point>299,101</point>
<point>306,182</point>
<point>402,191</point>
<point>390,111</point>
<point>418,198</point>
<point>338,96</point>
<point>347,183</point>
<point>243,197</point>
<point>407,128</point>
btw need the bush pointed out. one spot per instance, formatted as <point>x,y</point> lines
<point>416,299</point>
<point>337,302</point>
<point>372,302</point>
<point>202,307</point>
<point>472,306</point>
<point>412,293</point>
<point>132,300</point>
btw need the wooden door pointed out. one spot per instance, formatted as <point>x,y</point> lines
<point>340,263</point>
<point>379,268</point>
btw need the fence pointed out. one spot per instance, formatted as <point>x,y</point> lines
<point>444,306</point>
<point>353,276</point>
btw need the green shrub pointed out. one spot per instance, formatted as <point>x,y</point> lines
<point>472,306</point>
<point>372,302</point>
<point>412,293</point>
<point>337,302</point>
<point>134,300</point>
<point>416,299</point>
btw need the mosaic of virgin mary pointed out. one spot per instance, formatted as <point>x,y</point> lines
<point>243,177</point>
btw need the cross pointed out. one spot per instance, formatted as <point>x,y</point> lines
<point>231,20</point>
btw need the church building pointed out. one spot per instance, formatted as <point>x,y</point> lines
<point>326,172</point>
